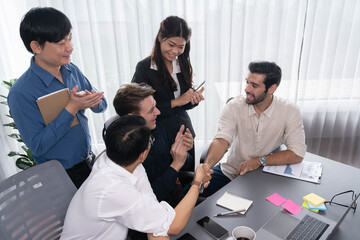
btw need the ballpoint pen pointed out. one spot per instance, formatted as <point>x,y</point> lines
<point>199,86</point>
<point>229,212</point>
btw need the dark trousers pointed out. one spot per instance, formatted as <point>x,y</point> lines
<point>218,180</point>
<point>79,173</point>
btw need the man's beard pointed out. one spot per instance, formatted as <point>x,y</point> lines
<point>256,100</point>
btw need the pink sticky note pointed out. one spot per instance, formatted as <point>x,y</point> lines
<point>292,207</point>
<point>276,199</point>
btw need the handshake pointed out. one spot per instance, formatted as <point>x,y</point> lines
<point>203,175</point>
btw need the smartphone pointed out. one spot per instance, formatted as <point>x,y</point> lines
<point>212,227</point>
<point>199,86</point>
<point>187,236</point>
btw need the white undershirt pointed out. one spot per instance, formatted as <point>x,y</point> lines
<point>176,69</point>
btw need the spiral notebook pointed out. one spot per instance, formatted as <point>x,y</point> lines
<point>234,202</point>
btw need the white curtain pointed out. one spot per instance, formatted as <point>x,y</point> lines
<point>329,82</point>
<point>314,42</point>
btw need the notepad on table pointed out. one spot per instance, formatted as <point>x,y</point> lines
<point>234,202</point>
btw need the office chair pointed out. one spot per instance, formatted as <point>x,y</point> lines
<point>107,124</point>
<point>33,203</point>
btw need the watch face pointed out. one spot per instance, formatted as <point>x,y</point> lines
<point>263,160</point>
<point>201,187</point>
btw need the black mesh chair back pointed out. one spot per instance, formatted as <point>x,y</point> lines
<point>33,203</point>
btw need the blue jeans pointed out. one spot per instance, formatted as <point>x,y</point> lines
<point>218,180</point>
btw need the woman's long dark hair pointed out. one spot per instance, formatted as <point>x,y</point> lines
<point>173,26</point>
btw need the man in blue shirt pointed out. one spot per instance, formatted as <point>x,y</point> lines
<point>46,32</point>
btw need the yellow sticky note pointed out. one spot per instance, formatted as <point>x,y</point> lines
<point>314,199</point>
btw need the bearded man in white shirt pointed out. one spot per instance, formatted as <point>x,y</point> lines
<point>117,195</point>
<point>253,126</point>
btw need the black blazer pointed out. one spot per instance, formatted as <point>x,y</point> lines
<point>171,118</point>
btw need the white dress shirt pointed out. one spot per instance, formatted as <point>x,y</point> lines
<point>250,135</point>
<point>112,200</point>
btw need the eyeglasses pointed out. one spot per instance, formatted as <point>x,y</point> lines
<point>343,205</point>
<point>151,140</point>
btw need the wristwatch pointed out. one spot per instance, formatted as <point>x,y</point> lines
<point>200,184</point>
<point>263,160</point>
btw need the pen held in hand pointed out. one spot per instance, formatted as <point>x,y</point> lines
<point>199,86</point>
<point>229,212</point>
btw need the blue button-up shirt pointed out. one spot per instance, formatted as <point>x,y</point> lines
<point>69,145</point>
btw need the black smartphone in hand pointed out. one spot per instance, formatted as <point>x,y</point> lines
<point>212,227</point>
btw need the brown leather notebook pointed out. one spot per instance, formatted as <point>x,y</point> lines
<point>52,104</point>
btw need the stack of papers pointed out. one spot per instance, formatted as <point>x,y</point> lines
<point>307,171</point>
<point>314,203</point>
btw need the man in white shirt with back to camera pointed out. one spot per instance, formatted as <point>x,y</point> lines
<point>118,196</point>
<point>253,127</point>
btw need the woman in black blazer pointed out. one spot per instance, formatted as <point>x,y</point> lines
<point>168,70</point>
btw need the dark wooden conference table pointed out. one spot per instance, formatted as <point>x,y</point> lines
<point>257,185</point>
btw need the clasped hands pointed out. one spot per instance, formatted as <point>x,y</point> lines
<point>83,100</point>
<point>184,141</point>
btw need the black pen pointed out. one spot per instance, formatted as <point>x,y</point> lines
<point>229,212</point>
